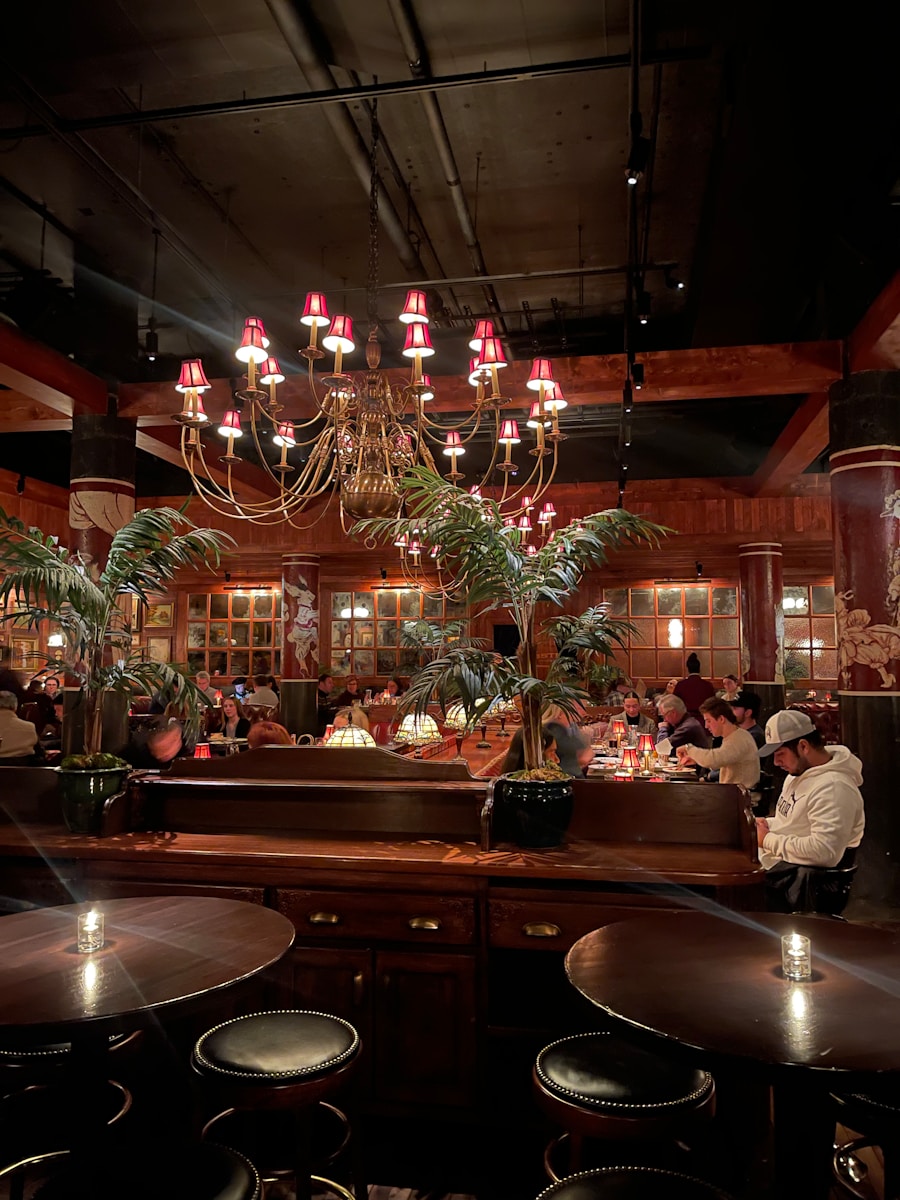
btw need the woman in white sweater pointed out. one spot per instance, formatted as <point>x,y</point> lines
<point>737,759</point>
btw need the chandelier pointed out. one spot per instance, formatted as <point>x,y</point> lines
<point>367,429</point>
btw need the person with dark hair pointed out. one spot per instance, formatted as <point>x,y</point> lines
<point>262,693</point>
<point>633,716</point>
<point>694,689</point>
<point>746,706</point>
<point>819,818</point>
<point>351,693</point>
<point>730,687</point>
<point>515,754</point>
<point>158,749</point>
<point>234,723</point>
<point>394,688</point>
<point>326,705</point>
<point>736,759</point>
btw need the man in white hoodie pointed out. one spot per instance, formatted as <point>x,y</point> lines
<point>819,815</point>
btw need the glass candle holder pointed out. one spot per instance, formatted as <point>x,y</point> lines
<point>796,962</point>
<point>90,931</point>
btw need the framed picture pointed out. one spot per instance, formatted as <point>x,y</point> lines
<point>159,616</point>
<point>22,651</point>
<point>159,649</point>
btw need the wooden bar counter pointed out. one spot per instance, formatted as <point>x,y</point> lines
<point>447,957</point>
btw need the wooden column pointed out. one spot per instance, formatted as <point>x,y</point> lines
<point>762,623</point>
<point>864,413</point>
<point>101,487</point>
<point>300,641</point>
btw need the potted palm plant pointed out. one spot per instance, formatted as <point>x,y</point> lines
<point>93,613</point>
<point>484,561</point>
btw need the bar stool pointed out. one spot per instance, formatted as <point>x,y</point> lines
<point>631,1183</point>
<point>200,1171</point>
<point>287,1061</point>
<point>596,1085</point>
<point>876,1114</point>
<point>23,1066</point>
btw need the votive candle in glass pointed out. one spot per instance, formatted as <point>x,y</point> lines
<point>796,962</point>
<point>90,931</point>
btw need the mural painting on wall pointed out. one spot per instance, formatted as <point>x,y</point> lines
<point>301,625</point>
<point>860,642</point>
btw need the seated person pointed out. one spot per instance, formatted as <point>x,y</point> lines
<point>18,739</point>
<point>633,716</point>
<point>616,695</point>
<point>262,693</point>
<point>204,685</point>
<point>326,706</point>
<point>268,733</point>
<point>351,713</point>
<point>678,726</point>
<point>156,749</point>
<point>393,689</point>
<point>350,693</point>
<point>736,759</point>
<point>746,706</point>
<point>819,818</point>
<point>573,746</point>
<point>514,759</point>
<point>234,723</point>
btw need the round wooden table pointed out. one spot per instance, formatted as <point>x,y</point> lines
<point>160,954</point>
<point>714,983</point>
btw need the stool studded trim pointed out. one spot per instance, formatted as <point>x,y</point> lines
<point>294,1072</point>
<point>623,1106</point>
<point>637,1173</point>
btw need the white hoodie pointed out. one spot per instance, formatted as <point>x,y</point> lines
<point>818,814</point>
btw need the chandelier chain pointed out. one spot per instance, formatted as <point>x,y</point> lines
<point>372,279</point>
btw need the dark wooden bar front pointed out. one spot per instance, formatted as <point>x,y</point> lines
<point>446,957</point>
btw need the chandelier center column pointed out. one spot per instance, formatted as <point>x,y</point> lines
<point>762,623</point>
<point>864,418</point>
<point>300,642</point>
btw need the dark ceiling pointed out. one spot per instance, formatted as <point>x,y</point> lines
<point>770,191</point>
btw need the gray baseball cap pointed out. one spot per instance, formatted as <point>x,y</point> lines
<point>783,727</point>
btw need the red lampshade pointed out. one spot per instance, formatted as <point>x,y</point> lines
<point>453,444</point>
<point>201,750</point>
<point>192,376</point>
<point>217,696</point>
<point>427,392</point>
<point>284,435</point>
<point>646,744</point>
<point>476,374</point>
<point>527,504</point>
<point>509,433</point>
<point>536,418</point>
<point>340,335</point>
<point>401,541</point>
<point>315,309</point>
<point>525,525</point>
<point>630,760</point>
<point>617,726</point>
<point>509,522</point>
<point>418,342</point>
<point>415,549</point>
<point>531,550</point>
<point>270,372</point>
<point>548,512</point>
<point>554,398</point>
<point>541,373</point>
<point>200,414</point>
<point>231,424</point>
<point>256,323</point>
<point>251,348</point>
<point>483,329</point>
<point>415,310</point>
<point>491,353</point>
<point>475,492</point>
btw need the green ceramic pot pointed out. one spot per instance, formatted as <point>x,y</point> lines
<point>84,793</point>
<point>536,812</point>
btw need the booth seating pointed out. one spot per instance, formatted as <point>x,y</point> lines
<point>601,1087</point>
<point>826,716</point>
<point>273,1063</point>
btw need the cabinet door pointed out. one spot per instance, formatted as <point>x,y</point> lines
<point>337,982</point>
<point>425,1008</point>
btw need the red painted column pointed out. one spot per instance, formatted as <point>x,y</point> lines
<point>762,622</point>
<point>864,418</point>
<point>300,641</point>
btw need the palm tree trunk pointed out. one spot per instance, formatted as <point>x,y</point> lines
<point>532,742</point>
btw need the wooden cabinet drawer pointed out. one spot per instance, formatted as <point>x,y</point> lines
<point>548,923</point>
<point>447,920</point>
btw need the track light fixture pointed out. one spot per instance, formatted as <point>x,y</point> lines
<point>151,341</point>
<point>699,566</point>
<point>637,376</point>
<point>643,307</point>
<point>672,280</point>
<point>637,160</point>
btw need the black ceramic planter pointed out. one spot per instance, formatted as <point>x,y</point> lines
<point>536,812</point>
<point>84,793</point>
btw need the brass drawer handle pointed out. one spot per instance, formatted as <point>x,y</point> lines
<point>541,929</point>
<point>324,918</point>
<point>427,923</point>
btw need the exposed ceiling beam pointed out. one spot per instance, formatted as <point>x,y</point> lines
<point>20,414</point>
<point>696,374</point>
<point>873,344</point>
<point>249,481</point>
<point>34,370</point>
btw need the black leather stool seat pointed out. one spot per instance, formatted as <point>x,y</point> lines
<point>52,1053</point>
<point>281,1047</point>
<point>201,1171</point>
<point>631,1183</point>
<point>881,1103</point>
<point>602,1072</point>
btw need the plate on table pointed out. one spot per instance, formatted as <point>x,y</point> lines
<point>679,772</point>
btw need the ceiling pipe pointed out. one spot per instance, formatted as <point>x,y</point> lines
<point>417,57</point>
<point>295,24</point>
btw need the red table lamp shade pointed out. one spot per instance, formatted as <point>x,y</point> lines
<point>418,342</point>
<point>315,310</point>
<point>483,329</point>
<point>201,750</point>
<point>192,376</point>
<point>415,310</point>
<point>646,744</point>
<point>630,760</point>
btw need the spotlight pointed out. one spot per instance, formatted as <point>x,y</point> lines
<point>228,577</point>
<point>699,566</point>
<point>151,341</point>
<point>637,376</point>
<point>637,160</point>
<point>643,307</point>
<point>628,434</point>
<point>20,484</point>
<point>672,281</point>
<point>383,575</point>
